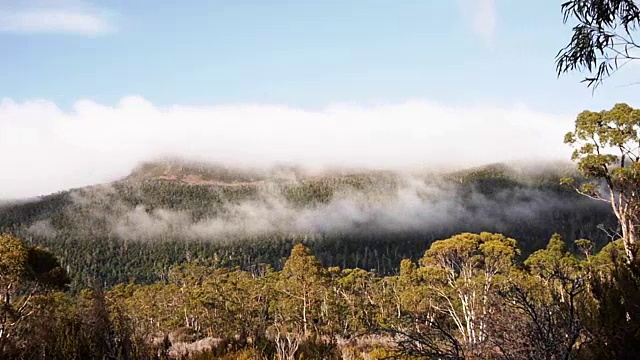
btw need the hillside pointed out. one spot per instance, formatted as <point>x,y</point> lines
<point>165,213</point>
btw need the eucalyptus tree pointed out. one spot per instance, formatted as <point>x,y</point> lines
<point>25,273</point>
<point>465,269</point>
<point>607,150</point>
<point>602,39</point>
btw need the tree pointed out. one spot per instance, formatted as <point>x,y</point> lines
<point>422,328</point>
<point>612,319</point>
<point>550,299</point>
<point>303,288</point>
<point>25,272</point>
<point>354,308</point>
<point>468,265</point>
<point>607,150</point>
<point>602,40</point>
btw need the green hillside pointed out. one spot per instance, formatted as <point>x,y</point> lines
<point>166,213</point>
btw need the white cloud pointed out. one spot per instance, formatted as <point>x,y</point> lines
<point>57,16</point>
<point>482,16</point>
<point>45,149</point>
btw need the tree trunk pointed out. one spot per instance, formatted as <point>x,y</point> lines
<point>628,237</point>
<point>620,208</point>
<point>304,315</point>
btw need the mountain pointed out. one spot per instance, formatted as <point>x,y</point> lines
<point>165,213</point>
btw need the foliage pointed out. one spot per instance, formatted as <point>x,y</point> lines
<point>80,226</point>
<point>606,150</point>
<point>366,295</point>
<point>26,273</point>
<point>468,298</point>
<point>602,39</point>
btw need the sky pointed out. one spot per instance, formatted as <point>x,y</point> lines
<point>89,88</point>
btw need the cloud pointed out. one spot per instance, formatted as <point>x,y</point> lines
<point>482,16</point>
<point>409,203</point>
<point>58,16</point>
<point>45,149</point>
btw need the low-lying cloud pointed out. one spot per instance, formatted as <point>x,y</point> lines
<point>46,149</point>
<point>416,205</point>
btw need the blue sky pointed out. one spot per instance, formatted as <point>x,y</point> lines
<point>89,88</point>
<point>298,53</point>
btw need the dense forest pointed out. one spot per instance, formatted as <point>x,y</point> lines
<point>168,213</point>
<point>188,260</point>
<point>467,297</point>
<point>184,260</point>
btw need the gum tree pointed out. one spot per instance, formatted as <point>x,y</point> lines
<point>463,270</point>
<point>607,151</point>
<point>25,272</point>
<point>603,37</point>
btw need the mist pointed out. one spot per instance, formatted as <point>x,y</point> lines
<point>405,202</point>
<point>46,149</point>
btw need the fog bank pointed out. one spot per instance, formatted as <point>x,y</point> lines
<point>46,149</point>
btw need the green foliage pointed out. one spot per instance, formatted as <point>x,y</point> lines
<point>602,39</point>
<point>606,150</point>
<point>26,273</point>
<point>272,295</point>
<point>468,299</point>
<point>612,317</point>
<point>14,256</point>
<point>79,225</point>
<point>302,288</point>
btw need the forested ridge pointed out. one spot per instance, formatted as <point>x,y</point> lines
<point>190,260</point>
<point>167,213</point>
<point>183,260</point>
<point>194,261</point>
